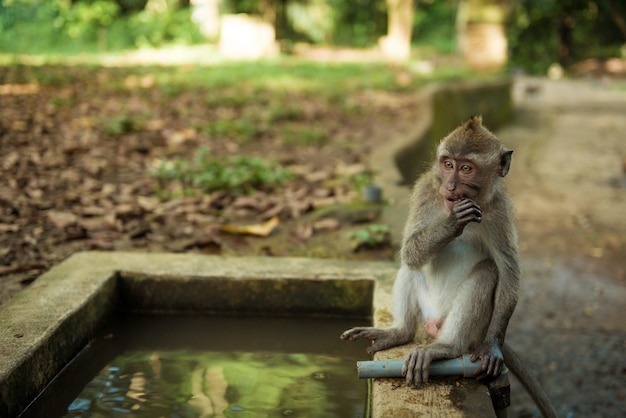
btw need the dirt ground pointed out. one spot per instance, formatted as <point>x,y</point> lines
<point>77,145</point>
<point>568,181</point>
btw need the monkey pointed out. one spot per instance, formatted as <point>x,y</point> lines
<point>459,264</point>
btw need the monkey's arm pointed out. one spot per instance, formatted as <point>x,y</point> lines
<point>429,229</point>
<point>505,300</point>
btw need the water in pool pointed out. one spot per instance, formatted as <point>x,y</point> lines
<point>167,366</point>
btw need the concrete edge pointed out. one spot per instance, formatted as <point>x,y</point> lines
<point>46,325</point>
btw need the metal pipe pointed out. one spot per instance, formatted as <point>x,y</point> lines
<point>461,366</point>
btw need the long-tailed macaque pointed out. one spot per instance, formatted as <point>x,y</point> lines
<point>459,273</point>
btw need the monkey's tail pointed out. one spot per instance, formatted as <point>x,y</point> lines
<point>516,364</point>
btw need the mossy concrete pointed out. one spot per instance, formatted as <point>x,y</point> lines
<point>46,325</point>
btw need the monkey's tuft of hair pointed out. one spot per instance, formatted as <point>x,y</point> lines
<point>472,138</point>
<point>474,121</point>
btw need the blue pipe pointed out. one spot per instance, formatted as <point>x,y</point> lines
<point>461,366</point>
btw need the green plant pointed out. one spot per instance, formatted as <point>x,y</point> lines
<point>304,135</point>
<point>123,123</point>
<point>82,20</point>
<point>359,181</point>
<point>371,236</point>
<point>235,174</point>
<point>239,130</point>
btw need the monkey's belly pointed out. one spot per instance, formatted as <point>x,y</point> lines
<point>447,272</point>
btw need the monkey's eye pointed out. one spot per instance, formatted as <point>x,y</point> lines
<point>448,164</point>
<point>466,168</point>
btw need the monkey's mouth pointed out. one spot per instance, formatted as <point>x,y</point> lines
<point>453,200</point>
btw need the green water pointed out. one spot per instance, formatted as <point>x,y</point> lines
<point>151,367</point>
<point>197,384</point>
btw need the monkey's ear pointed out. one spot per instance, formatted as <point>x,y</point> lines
<point>505,162</point>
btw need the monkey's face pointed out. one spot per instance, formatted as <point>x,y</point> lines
<point>459,179</point>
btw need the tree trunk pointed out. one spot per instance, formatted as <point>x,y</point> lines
<point>396,45</point>
<point>206,14</point>
<point>481,35</point>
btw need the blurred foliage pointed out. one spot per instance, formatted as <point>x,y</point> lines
<point>357,23</point>
<point>31,26</point>
<point>542,32</point>
<point>434,24</point>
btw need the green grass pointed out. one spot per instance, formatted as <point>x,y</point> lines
<point>274,76</point>
<point>204,174</point>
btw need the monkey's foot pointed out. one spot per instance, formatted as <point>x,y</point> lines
<point>368,333</point>
<point>383,338</point>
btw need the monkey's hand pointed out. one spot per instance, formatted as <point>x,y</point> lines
<point>464,212</point>
<point>416,365</point>
<point>491,361</point>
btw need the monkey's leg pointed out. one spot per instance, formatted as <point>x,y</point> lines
<point>464,326</point>
<point>405,314</point>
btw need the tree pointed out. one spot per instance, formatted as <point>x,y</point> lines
<point>543,32</point>
<point>396,45</point>
<point>481,33</point>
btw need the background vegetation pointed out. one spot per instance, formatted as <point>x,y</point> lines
<point>540,32</point>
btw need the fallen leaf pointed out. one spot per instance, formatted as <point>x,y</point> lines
<point>304,231</point>
<point>9,228</point>
<point>185,244</point>
<point>327,224</point>
<point>262,230</point>
<point>96,244</point>
<point>18,268</point>
<point>93,211</point>
<point>62,219</point>
<point>138,228</point>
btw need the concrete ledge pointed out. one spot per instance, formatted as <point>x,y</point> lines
<point>441,397</point>
<point>46,325</point>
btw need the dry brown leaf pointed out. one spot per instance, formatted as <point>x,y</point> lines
<point>95,223</point>
<point>9,228</point>
<point>262,230</point>
<point>327,224</point>
<point>93,211</point>
<point>276,210</point>
<point>304,231</point>
<point>62,219</point>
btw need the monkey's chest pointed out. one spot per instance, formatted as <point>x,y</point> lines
<point>454,263</point>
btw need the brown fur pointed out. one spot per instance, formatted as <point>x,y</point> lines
<point>460,264</point>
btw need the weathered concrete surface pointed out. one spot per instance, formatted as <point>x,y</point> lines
<point>441,397</point>
<point>43,327</point>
